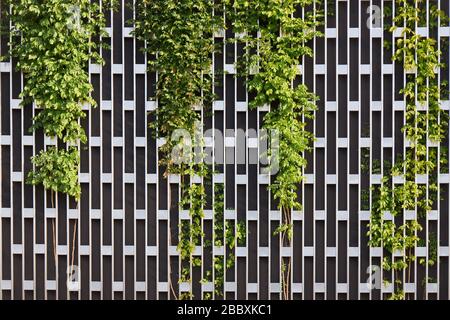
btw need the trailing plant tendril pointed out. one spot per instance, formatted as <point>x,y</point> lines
<point>276,42</point>
<point>53,44</point>
<point>179,34</point>
<point>53,53</point>
<point>225,236</point>
<point>400,190</point>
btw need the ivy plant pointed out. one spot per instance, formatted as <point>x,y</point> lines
<point>179,43</point>
<point>425,121</point>
<point>52,42</point>
<point>53,52</point>
<point>275,40</point>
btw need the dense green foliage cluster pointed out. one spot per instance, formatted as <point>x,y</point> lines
<point>226,235</point>
<point>179,39</point>
<point>53,50</point>
<point>53,44</point>
<point>425,123</point>
<point>276,37</point>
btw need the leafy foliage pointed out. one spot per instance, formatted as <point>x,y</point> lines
<point>425,121</point>
<point>179,40</point>
<point>275,39</point>
<point>53,52</point>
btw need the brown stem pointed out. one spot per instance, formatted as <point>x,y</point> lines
<point>283,271</point>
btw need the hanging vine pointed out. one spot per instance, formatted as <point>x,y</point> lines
<point>52,42</point>
<point>179,35</point>
<point>276,37</point>
<point>225,235</point>
<point>53,54</point>
<point>425,122</point>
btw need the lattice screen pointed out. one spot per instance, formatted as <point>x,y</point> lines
<point>124,219</point>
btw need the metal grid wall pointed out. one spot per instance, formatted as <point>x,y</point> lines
<point>124,221</point>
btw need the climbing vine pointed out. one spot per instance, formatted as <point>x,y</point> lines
<point>425,122</point>
<point>53,51</point>
<point>179,40</point>
<point>226,235</point>
<point>276,36</point>
<point>52,42</point>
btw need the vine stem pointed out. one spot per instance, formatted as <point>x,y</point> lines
<point>73,243</point>
<point>169,268</point>
<point>285,274</point>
